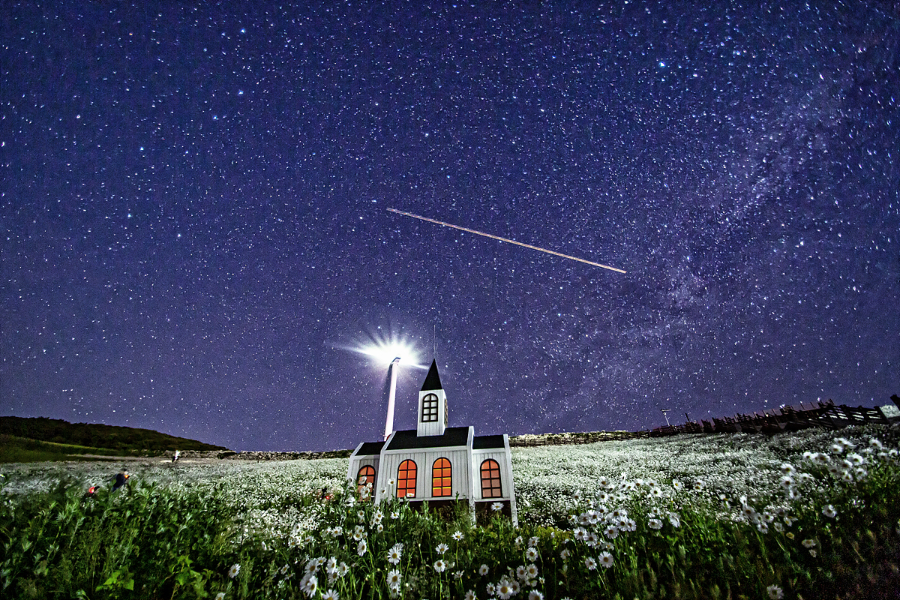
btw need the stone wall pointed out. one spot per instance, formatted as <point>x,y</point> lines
<point>259,456</point>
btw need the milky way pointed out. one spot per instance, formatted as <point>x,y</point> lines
<point>194,225</point>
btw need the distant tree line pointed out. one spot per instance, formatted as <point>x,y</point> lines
<point>96,435</point>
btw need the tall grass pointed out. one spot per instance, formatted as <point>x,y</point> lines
<point>828,529</point>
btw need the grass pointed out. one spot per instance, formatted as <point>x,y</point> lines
<point>14,449</point>
<point>167,539</point>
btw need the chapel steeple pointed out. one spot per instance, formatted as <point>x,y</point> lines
<point>433,411</point>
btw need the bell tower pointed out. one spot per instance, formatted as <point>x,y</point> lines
<point>433,412</point>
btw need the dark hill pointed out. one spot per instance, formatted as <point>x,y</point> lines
<point>96,435</point>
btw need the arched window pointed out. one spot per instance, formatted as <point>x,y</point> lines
<point>490,479</point>
<point>429,408</point>
<point>366,476</point>
<point>440,478</point>
<point>406,480</point>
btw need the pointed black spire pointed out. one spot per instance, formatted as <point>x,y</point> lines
<point>432,380</point>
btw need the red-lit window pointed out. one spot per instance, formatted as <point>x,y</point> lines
<point>490,479</point>
<point>440,478</point>
<point>365,477</point>
<point>406,480</point>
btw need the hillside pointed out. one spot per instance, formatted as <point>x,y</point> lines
<point>26,440</point>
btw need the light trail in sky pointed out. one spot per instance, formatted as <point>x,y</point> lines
<point>496,237</point>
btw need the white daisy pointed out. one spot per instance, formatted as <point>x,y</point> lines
<point>606,559</point>
<point>311,585</point>
<point>441,548</point>
<point>330,595</point>
<point>829,511</point>
<point>361,548</point>
<point>457,535</point>
<point>775,592</point>
<point>590,563</point>
<point>234,570</point>
<point>483,570</point>
<point>531,554</point>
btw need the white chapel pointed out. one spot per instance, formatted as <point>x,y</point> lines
<point>438,464</point>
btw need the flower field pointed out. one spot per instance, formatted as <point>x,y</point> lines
<point>812,514</point>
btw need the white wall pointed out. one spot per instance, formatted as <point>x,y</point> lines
<point>357,463</point>
<point>424,459</point>
<point>432,427</point>
<point>498,454</point>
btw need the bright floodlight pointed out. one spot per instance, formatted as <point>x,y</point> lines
<point>388,353</point>
<point>385,351</point>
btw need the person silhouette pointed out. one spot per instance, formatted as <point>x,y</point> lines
<point>121,479</point>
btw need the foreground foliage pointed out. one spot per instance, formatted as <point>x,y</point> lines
<point>821,523</point>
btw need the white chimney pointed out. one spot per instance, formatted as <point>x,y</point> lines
<point>389,423</point>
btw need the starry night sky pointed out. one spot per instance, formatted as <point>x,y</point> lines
<point>195,228</point>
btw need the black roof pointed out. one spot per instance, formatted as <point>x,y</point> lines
<point>370,448</point>
<point>488,441</point>
<point>432,380</point>
<point>408,440</point>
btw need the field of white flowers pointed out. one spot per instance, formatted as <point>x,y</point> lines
<point>649,512</point>
<point>718,470</point>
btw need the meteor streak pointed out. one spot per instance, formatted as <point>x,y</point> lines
<point>495,237</point>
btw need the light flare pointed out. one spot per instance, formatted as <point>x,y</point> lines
<point>383,351</point>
